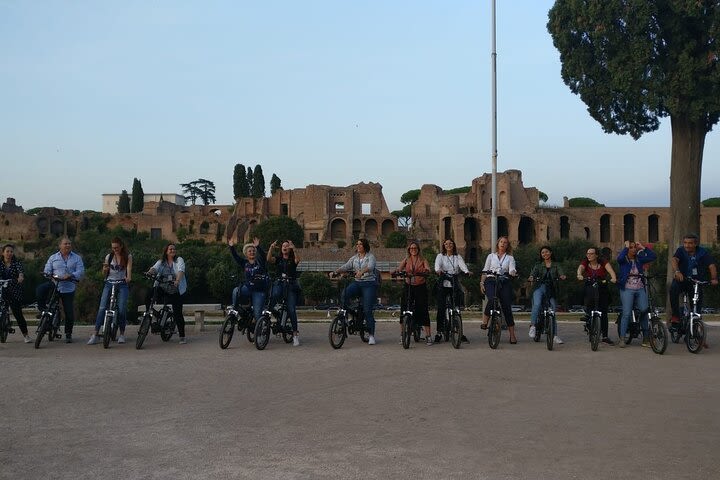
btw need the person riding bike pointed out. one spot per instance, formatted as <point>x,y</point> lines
<point>543,277</point>
<point>117,267</point>
<point>632,260</point>
<point>365,284</point>
<point>254,286</point>
<point>447,261</point>
<point>286,264</point>
<point>415,268</point>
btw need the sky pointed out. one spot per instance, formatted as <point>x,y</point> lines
<point>94,93</point>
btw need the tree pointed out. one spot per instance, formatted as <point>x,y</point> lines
<point>240,182</point>
<point>138,197</point>
<point>396,240</point>
<point>315,286</point>
<point>274,184</point>
<point>711,202</point>
<point>410,196</point>
<point>403,215</point>
<point>249,177</point>
<point>279,228</point>
<point>580,202</point>
<point>258,183</point>
<point>123,204</point>
<point>191,191</point>
<point>207,190</point>
<point>542,196</point>
<point>633,63</point>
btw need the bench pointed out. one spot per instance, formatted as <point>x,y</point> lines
<point>198,309</point>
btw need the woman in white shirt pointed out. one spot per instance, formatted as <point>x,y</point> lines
<point>502,263</point>
<point>448,261</point>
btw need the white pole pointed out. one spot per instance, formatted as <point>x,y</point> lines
<point>493,207</point>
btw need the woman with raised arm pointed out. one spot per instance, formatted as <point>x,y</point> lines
<point>117,267</point>
<point>416,269</point>
<point>448,261</point>
<point>286,264</point>
<point>254,285</point>
<point>502,263</point>
<point>595,268</point>
<point>632,260</point>
<point>11,269</point>
<point>365,283</point>
<point>171,267</point>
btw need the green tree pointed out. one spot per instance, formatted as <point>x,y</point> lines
<point>279,228</point>
<point>459,190</point>
<point>410,196</point>
<point>123,204</point>
<point>579,202</point>
<point>207,191</point>
<point>396,240</point>
<point>258,183</point>
<point>542,196</point>
<point>191,192</point>
<point>249,177</point>
<point>316,287</point>
<point>138,197</point>
<point>240,182</point>
<point>274,184</point>
<point>403,215</point>
<point>711,202</point>
<point>634,62</point>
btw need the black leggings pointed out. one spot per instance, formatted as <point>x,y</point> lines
<point>176,300</point>
<point>506,297</point>
<point>422,317</point>
<point>603,302</point>
<point>16,310</point>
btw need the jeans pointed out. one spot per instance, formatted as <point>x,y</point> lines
<point>537,305</point>
<point>123,291</point>
<point>368,291</point>
<point>243,294</point>
<point>291,300</point>
<point>629,299</point>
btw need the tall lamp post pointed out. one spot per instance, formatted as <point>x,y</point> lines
<point>493,200</point>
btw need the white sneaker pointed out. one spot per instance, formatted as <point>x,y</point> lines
<point>296,341</point>
<point>371,340</point>
<point>121,339</point>
<point>182,341</point>
<point>400,341</point>
<point>93,340</point>
<point>531,334</point>
<point>28,339</point>
<point>558,340</point>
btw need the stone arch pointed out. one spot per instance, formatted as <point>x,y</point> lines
<point>446,228</point>
<point>629,227</point>
<point>587,233</point>
<point>42,225</point>
<point>503,229</point>
<point>387,227</point>
<point>57,227</point>
<point>526,230</point>
<point>653,228</point>
<point>564,227</point>
<point>605,228</point>
<point>357,228</point>
<point>503,203</point>
<point>337,229</point>
<point>471,231</point>
<point>371,229</point>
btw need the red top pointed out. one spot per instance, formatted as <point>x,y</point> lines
<point>591,274</point>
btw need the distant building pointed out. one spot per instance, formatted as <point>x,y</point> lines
<point>10,207</point>
<point>110,200</point>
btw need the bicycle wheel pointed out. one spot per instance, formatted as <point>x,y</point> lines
<point>456,330</point>
<point>143,330</point>
<point>594,332</point>
<point>406,325</point>
<point>107,330</point>
<point>494,331</point>
<point>262,332</point>
<point>114,330</point>
<point>168,329</point>
<point>446,323</point>
<point>227,331</point>
<point>287,330</point>
<point>337,332</point>
<point>658,336</point>
<point>695,338</point>
<point>549,331</point>
<point>4,325</point>
<point>42,328</point>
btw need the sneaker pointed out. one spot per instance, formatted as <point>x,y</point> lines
<point>464,339</point>
<point>438,338</point>
<point>182,341</point>
<point>68,339</point>
<point>371,340</point>
<point>608,341</point>
<point>531,333</point>
<point>428,341</point>
<point>400,342</point>
<point>296,341</point>
<point>557,340</point>
<point>93,340</point>
<point>121,339</point>
<point>27,339</point>
<point>621,343</point>
<point>645,341</point>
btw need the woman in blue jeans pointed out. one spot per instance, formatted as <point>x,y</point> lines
<point>253,288</point>
<point>286,264</point>
<point>544,276</point>
<point>632,260</point>
<point>117,267</point>
<point>365,283</point>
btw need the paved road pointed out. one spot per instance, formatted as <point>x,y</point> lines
<point>520,412</point>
